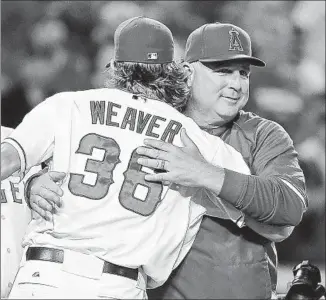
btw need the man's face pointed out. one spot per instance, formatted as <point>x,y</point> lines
<point>219,90</point>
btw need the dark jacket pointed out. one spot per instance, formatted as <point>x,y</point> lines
<point>228,262</point>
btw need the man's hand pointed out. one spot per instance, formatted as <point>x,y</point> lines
<point>183,165</point>
<point>45,194</point>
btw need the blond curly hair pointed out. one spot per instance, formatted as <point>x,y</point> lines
<point>164,82</point>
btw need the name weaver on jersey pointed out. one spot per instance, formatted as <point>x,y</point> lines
<point>104,112</point>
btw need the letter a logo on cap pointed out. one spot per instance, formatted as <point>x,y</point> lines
<point>235,43</point>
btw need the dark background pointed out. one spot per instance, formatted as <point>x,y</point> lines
<point>52,46</point>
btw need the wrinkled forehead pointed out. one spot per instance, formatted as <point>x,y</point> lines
<point>232,64</point>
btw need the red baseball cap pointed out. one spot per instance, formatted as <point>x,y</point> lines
<point>143,40</point>
<point>218,42</point>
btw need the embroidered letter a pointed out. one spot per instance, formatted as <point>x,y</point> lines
<point>235,43</point>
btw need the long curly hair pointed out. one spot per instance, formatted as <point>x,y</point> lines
<point>164,82</point>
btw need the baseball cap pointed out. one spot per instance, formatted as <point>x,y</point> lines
<point>143,40</point>
<point>218,42</point>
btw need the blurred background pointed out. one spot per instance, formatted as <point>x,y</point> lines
<point>53,46</point>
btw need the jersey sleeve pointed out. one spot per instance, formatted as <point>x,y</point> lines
<point>229,158</point>
<point>215,150</point>
<point>275,155</point>
<point>34,137</point>
<point>226,156</point>
<point>218,153</point>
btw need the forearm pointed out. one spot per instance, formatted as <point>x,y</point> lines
<point>10,160</point>
<point>273,232</point>
<point>268,200</point>
<point>211,177</point>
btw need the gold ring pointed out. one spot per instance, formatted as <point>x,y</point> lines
<point>162,164</point>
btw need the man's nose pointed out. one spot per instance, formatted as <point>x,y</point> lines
<point>235,82</point>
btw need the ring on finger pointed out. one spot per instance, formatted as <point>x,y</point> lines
<point>162,164</point>
<point>158,164</point>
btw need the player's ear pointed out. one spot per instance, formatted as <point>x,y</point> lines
<point>190,71</point>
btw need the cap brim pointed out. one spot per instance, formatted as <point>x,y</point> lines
<point>252,60</point>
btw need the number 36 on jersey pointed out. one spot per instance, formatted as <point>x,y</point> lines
<point>133,176</point>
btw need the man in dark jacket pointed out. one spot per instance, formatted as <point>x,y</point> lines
<point>227,261</point>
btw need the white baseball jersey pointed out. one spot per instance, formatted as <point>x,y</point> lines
<point>15,216</point>
<point>109,210</point>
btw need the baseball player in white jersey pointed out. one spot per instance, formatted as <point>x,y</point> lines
<point>116,234</point>
<point>15,216</point>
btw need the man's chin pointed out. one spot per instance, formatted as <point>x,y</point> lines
<point>227,112</point>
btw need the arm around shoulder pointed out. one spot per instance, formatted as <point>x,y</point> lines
<point>10,160</point>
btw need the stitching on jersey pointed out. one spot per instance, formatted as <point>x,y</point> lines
<point>185,235</point>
